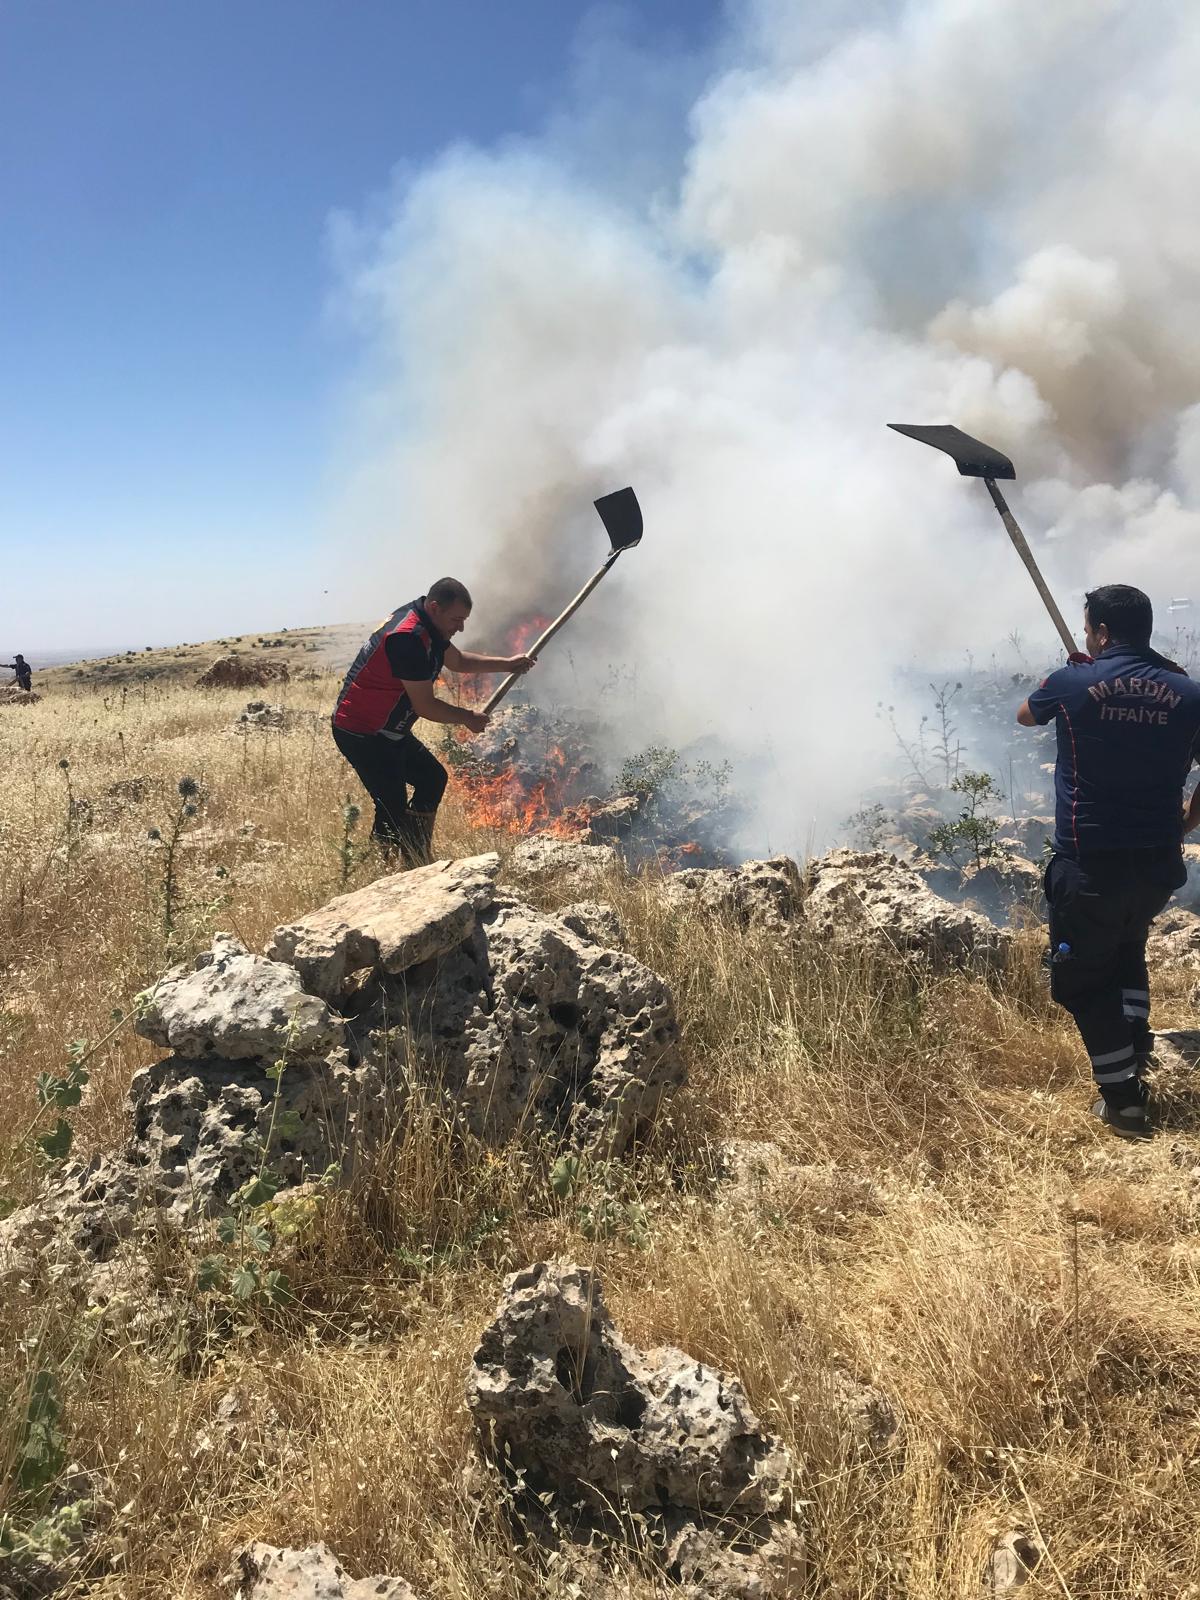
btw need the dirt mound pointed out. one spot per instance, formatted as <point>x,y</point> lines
<point>12,696</point>
<point>236,672</point>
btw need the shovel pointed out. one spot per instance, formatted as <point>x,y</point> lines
<point>976,460</point>
<point>622,517</point>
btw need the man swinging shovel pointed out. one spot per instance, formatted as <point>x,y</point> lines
<point>1128,726</point>
<point>390,686</point>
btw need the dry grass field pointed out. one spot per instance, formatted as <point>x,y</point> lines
<point>958,1233</point>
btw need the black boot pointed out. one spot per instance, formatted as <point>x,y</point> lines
<point>417,842</point>
<point>1127,1110</point>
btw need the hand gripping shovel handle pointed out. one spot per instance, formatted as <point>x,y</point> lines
<point>563,617</point>
<point>1031,566</point>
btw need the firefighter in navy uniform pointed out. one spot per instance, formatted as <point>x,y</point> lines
<point>23,671</point>
<point>389,686</point>
<point>1128,726</point>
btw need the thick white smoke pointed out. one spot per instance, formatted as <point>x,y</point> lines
<point>977,211</point>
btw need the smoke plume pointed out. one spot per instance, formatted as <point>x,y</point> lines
<point>977,211</point>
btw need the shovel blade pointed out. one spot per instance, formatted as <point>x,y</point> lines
<point>622,516</point>
<point>972,458</point>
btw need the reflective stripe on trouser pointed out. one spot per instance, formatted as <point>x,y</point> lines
<point>1136,1003</point>
<point>1114,1066</point>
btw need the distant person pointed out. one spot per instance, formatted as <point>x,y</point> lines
<point>1128,724</point>
<point>389,686</point>
<point>23,671</point>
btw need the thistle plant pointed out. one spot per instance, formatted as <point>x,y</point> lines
<point>188,790</point>
<point>349,853</point>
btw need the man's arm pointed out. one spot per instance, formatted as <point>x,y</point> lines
<point>426,704</point>
<point>1191,812</point>
<point>466,661</point>
<point>1025,716</point>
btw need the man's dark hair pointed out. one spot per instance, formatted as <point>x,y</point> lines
<point>1126,613</point>
<point>449,592</point>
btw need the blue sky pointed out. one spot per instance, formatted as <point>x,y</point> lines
<point>172,379</point>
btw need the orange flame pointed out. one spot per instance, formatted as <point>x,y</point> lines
<point>504,803</point>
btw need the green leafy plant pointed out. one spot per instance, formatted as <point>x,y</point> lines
<point>43,1448</point>
<point>867,826</point>
<point>973,832</point>
<point>256,1225</point>
<point>598,1190</point>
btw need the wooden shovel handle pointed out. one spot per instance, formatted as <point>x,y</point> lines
<point>536,650</point>
<point>1026,555</point>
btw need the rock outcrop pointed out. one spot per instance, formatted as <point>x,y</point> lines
<point>303,1059</point>
<point>242,672</point>
<point>532,1023</point>
<point>545,858</point>
<point>392,925</point>
<point>238,1006</point>
<point>265,1572</point>
<point>564,1403</point>
<point>759,894</point>
<point>853,897</point>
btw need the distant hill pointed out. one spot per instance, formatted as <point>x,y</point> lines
<point>328,649</point>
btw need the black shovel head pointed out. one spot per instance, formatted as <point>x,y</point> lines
<point>972,458</point>
<point>622,516</point>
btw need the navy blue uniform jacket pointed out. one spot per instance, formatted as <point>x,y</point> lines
<point>1128,729</point>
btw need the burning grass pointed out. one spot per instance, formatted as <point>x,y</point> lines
<point>952,1229</point>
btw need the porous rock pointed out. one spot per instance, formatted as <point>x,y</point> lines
<point>237,1006</point>
<point>200,1127</point>
<point>594,920</point>
<point>530,1023</point>
<point>86,1212</point>
<point>558,1394</point>
<point>763,894</point>
<point>853,896</point>
<point>774,1567</point>
<point>392,924</point>
<point>545,858</point>
<point>266,1572</point>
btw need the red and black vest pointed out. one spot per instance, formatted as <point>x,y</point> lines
<point>373,698</point>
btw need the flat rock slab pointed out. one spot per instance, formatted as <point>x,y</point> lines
<point>269,1573</point>
<point>237,1006</point>
<point>391,925</point>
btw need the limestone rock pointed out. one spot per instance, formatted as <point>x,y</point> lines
<point>85,1210</point>
<point>200,1126</point>
<point>242,672</point>
<point>558,1394</point>
<point>269,1573</point>
<point>757,1568</point>
<point>853,896</point>
<point>393,924</point>
<point>531,1024</point>
<point>593,920</point>
<point>544,858</point>
<point>238,1006</point>
<point>996,887</point>
<point>1174,939</point>
<point>763,894</point>
<point>1010,1564</point>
